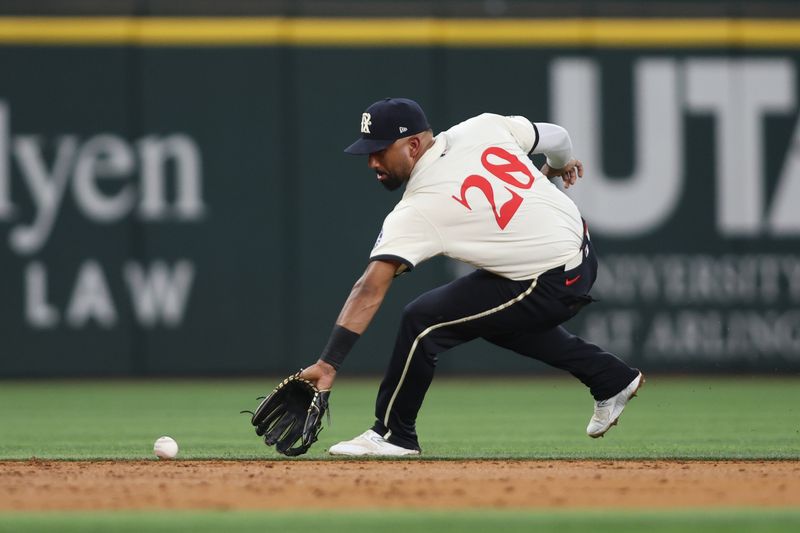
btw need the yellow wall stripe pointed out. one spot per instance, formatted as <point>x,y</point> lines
<point>401,32</point>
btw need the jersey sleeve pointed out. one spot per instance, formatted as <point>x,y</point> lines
<point>407,237</point>
<point>555,143</point>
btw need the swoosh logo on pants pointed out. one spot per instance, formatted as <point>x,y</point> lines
<point>570,281</point>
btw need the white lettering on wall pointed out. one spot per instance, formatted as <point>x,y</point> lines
<point>6,207</point>
<point>784,219</point>
<point>102,171</point>
<point>683,279</point>
<point>46,188</point>
<point>155,153</point>
<point>160,294</point>
<point>739,94</point>
<point>704,307</point>
<point>38,311</point>
<point>107,179</point>
<point>103,157</point>
<point>91,298</point>
<point>644,200</point>
<point>719,335</point>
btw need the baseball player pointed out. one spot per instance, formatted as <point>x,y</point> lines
<point>473,194</point>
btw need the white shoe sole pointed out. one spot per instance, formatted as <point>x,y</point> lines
<point>616,420</point>
<point>370,444</point>
<point>353,453</point>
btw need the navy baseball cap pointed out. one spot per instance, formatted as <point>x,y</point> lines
<point>385,121</point>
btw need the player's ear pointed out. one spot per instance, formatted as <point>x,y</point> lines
<point>414,144</point>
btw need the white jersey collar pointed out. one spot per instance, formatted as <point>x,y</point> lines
<point>428,158</point>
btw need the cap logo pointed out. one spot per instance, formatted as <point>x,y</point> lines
<point>366,122</point>
<point>403,129</point>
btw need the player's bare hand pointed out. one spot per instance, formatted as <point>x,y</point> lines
<point>320,374</point>
<point>569,173</point>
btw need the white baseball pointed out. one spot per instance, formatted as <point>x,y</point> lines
<point>165,448</point>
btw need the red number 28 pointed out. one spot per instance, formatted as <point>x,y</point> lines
<point>503,172</point>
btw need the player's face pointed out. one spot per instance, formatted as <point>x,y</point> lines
<point>393,164</point>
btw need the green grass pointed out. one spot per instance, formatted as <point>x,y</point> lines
<point>515,418</point>
<point>756,521</point>
<point>497,418</point>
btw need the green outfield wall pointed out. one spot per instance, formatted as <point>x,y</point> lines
<point>174,199</point>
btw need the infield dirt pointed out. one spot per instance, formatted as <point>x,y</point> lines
<point>91,485</point>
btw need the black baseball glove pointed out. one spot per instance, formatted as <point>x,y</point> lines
<point>291,413</point>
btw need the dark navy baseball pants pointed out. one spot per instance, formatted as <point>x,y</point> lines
<point>523,316</point>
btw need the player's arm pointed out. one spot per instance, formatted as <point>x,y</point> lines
<point>360,307</point>
<point>554,142</point>
<point>367,295</point>
<point>549,139</point>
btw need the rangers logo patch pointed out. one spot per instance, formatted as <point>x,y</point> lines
<point>366,122</point>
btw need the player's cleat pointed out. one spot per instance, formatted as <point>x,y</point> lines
<point>370,443</point>
<point>607,412</point>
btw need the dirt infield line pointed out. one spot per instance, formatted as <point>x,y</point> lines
<point>113,485</point>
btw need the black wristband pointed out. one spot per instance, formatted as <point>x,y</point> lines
<point>339,345</point>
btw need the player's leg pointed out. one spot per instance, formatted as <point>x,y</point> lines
<point>602,372</point>
<point>485,305</point>
<point>610,380</point>
<point>534,331</point>
<point>433,323</point>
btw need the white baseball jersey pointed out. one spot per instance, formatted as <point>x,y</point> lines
<point>475,196</point>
